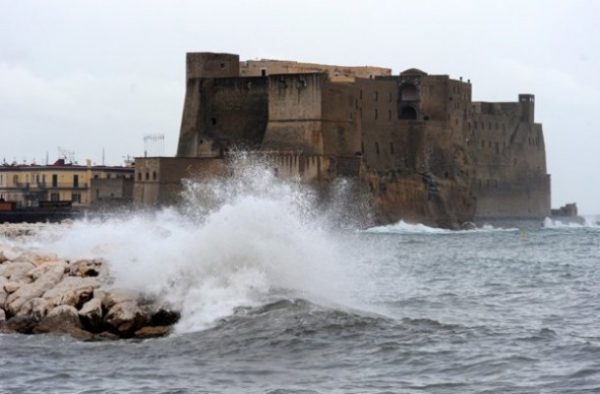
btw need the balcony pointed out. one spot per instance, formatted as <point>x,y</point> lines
<point>49,185</point>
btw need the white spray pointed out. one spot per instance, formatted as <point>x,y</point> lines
<point>238,242</point>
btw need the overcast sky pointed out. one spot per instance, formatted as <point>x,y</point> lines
<point>84,75</point>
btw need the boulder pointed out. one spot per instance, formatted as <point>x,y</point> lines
<point>63,319</point>
<point>9,253</point>
<point>38,259</point>
<point>91,315</point>
<point>11,287</point>
<point>16,270</point>
<point>125,318</point>
<point>22,324</point>
<point>85,268</point>
<point>3,293</point>
<point>117,296</point>
<point>40,270</point>
<point>37,308</point>
<point>72,291</point>
<point>152,332</point>
<point>45,282</point>
<point>160,314</point>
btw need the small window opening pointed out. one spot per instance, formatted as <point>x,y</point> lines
<point>377,148</point>
<point>213,121</point>
<point>392,148</point>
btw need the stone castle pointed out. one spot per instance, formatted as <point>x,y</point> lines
<point>419,145</point>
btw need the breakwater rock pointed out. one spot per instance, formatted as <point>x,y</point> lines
<point>44,294</point>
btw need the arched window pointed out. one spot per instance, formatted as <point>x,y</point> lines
<point>408,113</point>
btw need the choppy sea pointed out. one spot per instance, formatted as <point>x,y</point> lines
<point>275,300</point>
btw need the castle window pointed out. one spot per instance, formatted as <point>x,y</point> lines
<point>147,176</point>
<point>154,176</point>
<point>360,95</point>
<point>497,148</point>
<point>222,65</point>
<point>375,96</point>
<point>213,121</point>
<point>408,113</point>
<point>377,148</point>
<point>376,114</point>
<point>391,148</point>
<point>263,72</point>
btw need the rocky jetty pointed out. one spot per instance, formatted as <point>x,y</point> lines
<point>44,294</point>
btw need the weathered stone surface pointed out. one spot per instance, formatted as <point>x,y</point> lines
<point>38,259</point>
<point>125,317</point>
<point>15,270</point>
<point>37,308</point>
<point>91,315</point>
<point>152,331</point>
<point>11,287</point>
<point>72,291</point>
<point>3,258</point>
<point>2,315</point>
<point>63,319</point>
<point>51,277</point>
<point>160,314</point>
<point>84,268</point>
<point>3,292</point>
<point>22,324</point>
<point>40,270</point>
<point>9,253</point>
<point>117,296</point>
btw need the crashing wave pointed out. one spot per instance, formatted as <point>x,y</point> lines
<point>403,227</point>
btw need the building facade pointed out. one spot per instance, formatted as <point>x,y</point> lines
<point>424,149</point>
<point>28,184</point>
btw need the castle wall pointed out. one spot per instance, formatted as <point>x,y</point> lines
<point>158,180</point>
<point>337,73</point>
<point>295,113</point>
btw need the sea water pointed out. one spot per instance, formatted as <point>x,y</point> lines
<point>278,296</point>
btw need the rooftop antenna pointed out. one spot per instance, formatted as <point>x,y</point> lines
<point>67,155</point>
<point>155,144</point>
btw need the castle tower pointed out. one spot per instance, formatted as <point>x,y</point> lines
<point>212,65</point>
<point>527,102</point>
